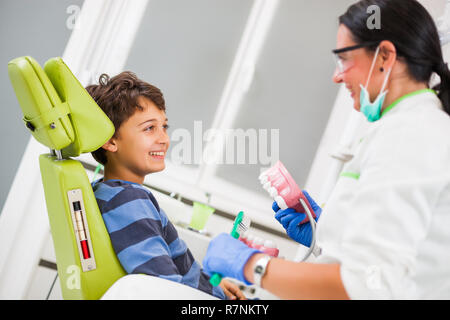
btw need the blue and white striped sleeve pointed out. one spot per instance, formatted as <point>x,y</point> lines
<point>192,274</point>
<point>136,231</point>
<point>146,242</point>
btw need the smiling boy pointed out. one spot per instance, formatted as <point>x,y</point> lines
<point>142,236</point>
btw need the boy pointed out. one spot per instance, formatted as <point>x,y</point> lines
<point>143,238</point>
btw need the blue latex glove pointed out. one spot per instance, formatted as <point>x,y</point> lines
<point>227,256</point>
<point>290,219</point>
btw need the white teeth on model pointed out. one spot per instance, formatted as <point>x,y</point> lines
<point>264,179</point>
<point>267,186</point>
<point>262,175</point>
<point>277,179</point>
<point>156,153</point>
<point>258,241</point>
<point>281,203</point>
<point>269,244</point>
<point>273,192</point>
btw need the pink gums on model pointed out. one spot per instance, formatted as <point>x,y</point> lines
<point>283,189</point>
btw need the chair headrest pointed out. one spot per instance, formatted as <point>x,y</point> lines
<point>57,110</point>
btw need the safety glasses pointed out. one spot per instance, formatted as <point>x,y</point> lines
<point>343,60</point>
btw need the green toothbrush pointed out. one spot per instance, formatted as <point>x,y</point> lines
<point>241,224</point>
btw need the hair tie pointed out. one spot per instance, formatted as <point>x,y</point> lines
<point>103,79</point>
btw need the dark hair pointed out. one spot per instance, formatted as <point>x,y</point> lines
<point>118,98</point>
<point>409,26</point>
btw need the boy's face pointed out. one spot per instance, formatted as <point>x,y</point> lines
<point>141,143</point>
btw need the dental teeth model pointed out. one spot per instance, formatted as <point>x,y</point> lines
<point>249,240</point>
<point>266,246</point>
<point>270,248</point>
<point>243,237</point>
<point>257,243</point>
<point>282,188</point>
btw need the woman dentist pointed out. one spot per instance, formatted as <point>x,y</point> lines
<point>385,231</point>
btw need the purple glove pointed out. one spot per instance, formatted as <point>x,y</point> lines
<point>227,256</point>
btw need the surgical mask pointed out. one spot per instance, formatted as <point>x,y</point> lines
<point>372,110</point>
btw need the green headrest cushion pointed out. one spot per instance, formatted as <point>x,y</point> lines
<point>57,109</point>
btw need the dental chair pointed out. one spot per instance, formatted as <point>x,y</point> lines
<point>61,115</point>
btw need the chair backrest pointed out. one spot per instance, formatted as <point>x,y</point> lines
<point>62,115</point>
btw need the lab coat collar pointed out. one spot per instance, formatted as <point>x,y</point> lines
<point>405,100</point>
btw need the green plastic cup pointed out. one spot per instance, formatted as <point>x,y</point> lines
<point>200,215</point>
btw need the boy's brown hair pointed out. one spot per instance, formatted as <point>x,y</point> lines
<point>118,98</point>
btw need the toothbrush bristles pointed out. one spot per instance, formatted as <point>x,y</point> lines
<point>244,225</point>
<point>242,228</point>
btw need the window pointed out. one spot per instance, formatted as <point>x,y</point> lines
<point>275,92</point>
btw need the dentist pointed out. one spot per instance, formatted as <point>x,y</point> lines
<point>385,231</point>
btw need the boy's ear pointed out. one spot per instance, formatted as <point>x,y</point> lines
<point>110,145</point>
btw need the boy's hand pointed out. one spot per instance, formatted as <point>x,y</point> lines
<point>231,290</point>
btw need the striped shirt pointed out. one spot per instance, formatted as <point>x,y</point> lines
<point>144,239</point>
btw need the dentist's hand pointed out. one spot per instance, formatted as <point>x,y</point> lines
<point>290,219</point>
<point>227,256</point>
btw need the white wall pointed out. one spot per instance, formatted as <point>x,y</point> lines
<point>25,29</point>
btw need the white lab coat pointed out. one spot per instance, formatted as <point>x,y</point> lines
<point>389,228</point>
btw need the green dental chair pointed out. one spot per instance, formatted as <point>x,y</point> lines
<point>60,114</point>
